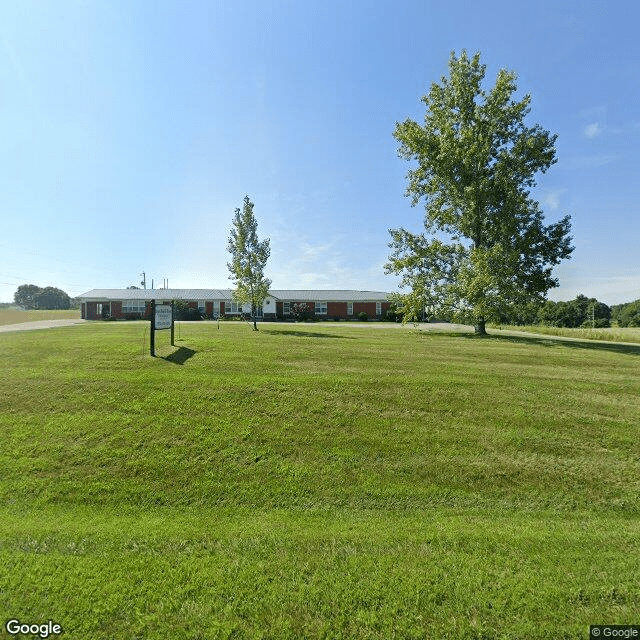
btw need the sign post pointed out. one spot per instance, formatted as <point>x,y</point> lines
<point>161,318</point>
<point>152,341</point>
<point>172,325</point>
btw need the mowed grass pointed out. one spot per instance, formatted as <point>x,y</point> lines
<point>317,481</point>
<point>15,316</point>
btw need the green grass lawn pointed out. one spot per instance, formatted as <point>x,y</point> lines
<point>317,481</point>
<point>15,316</point>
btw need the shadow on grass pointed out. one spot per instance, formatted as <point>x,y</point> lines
<point>560,341</point>
<point>179,356</point>
<point>304,334</point>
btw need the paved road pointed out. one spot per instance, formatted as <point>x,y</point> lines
<point>40,324</point>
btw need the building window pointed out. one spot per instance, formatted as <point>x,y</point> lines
<point>286,308</point>
<point>216,308</point>
<point>349,308</point>
<point>234,307</point>
<point>133,306</point>
<point>321,308</point>
<point>202,307</point>
<point>378,308</point>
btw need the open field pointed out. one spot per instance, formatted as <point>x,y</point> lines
<point>318,481</point>
<point>14,316</point>
<point>611,334</point>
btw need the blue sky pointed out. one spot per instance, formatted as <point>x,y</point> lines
<point>132,130</point>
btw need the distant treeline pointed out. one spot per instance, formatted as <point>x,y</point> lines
<point>627,314</point>
<point>579,312</point>
<point>31,296</point>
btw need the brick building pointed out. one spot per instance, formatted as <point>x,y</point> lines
<point>281,304</point>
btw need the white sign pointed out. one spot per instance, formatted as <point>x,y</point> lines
<point>163,316</point>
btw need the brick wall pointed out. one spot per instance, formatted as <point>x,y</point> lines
<point>336,309</point>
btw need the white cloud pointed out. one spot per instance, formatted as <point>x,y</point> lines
<point>591,162</point>
<point>592,130</point>
<point>309,252</point>
<point>552,198</point>
<point>312,280</point>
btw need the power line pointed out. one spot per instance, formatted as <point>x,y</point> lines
<point>48,257</point>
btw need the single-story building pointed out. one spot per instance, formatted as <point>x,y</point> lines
<point>280,304</point>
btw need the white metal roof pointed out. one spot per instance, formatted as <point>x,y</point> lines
<point>301,295</point>
<point>157,294</point>
<point>328,295</point>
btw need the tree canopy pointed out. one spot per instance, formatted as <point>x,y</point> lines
<point>31,296</point>
<point>628,314</point>
<point>26,295</point>
<point>248,259</point>
<point>485,245</point>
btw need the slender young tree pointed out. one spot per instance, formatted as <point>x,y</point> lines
<point>485,245</point>
<point>248,260</point>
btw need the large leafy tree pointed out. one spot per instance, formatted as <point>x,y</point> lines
<point>627,315</point>
<point>248,260</point>
<point>26,295</point>
<point>30,296</point>
<point>485,244</point>
<point>52,298</point>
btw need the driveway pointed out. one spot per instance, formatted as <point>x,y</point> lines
<point>424,326</point>
<point>40,324</point>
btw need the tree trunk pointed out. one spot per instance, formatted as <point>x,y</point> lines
<point>480,327</point>
<point>254,309</point>
<point>253,312</point>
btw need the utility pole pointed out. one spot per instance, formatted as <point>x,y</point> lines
<point>144,279</point>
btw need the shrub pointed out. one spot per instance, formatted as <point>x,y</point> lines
<point>301,311</point>
<point>185,312</point>
<point>362,316</point>
<point>392,314</point>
